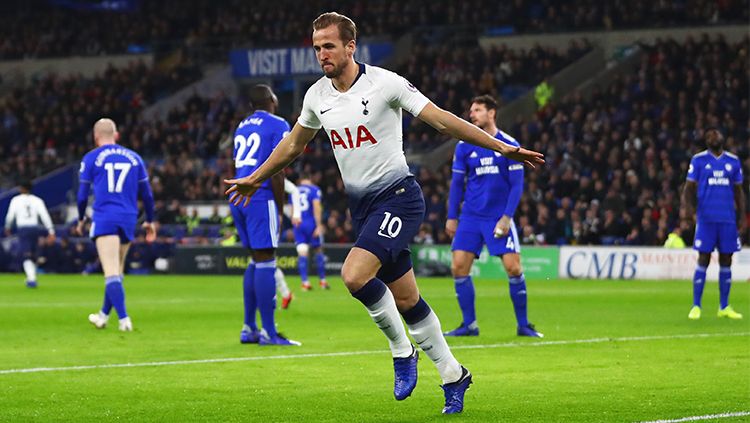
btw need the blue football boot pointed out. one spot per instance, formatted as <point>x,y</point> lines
<point>30,284</point>
<point>405,370</point>
<point>454,393</point>
<point>277,339</point>
<point>463,331</point>
<point>249,336</point>
<point>529,330</point>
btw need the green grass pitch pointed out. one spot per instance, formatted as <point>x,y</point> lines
<point>614,351</point>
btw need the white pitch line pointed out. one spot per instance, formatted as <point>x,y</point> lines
<point>353,353</point>
<point>706,417</point>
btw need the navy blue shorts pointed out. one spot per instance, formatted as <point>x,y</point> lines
<point>123,228</point>
<point>473,233</point>
<point>717,235</point>
<point>257,224</point>
<point>28,239</point>
<point>390,225</point>
<point>303,234</point>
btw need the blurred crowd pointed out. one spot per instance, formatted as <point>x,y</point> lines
<point>43,28</point>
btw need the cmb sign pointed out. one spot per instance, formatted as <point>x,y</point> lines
<point>284,62</point>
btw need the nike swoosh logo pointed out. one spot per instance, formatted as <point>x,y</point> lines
<point>323,111</point>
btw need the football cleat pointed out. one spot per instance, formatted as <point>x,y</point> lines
<point>277,339</point>
<point>729,312</point>
<point>126,325</point>
<point>529,330</point>
<point>324,284</point>
<point>249,336</point>
<point>695,313</point>
<point>99,320</point>
<point>286,300</point>
<point>405,375</point>
<point>454,393</point>
<point>463,331</point>
<point>31,284</point>
<point>306,286</point>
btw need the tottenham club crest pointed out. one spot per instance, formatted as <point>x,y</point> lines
<point>364,103</point>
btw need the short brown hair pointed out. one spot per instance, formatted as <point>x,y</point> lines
<point>489,102</point>
<point>347,28</point>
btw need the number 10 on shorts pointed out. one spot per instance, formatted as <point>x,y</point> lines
<point>391,226</point>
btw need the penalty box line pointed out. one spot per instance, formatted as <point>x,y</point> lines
<point>355,353</point>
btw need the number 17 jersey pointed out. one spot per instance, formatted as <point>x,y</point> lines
<point>254,140</point>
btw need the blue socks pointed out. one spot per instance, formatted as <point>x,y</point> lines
<point>465,294</point>
<point>517,285</point>
<point>725,284</point>
<point>265,293</point>
<point>699,281</point>
<point>107,306</point>
<point>302,263</point>
<point>248,294</point>
<point>114,291</point>
<point>320,258</point>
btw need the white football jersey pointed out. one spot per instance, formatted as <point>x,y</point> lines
<point>27,210</point>
<point>365,129</point>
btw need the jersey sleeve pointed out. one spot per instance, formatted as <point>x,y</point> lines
<point>281,133</point>
<point>11,216</point>
<point>737,179</point>
<point>85,173</point>
<point>315,194</point>
<point>693,170</point>
<point>307,116</point>
<point>142,171</point>
<point>401,93</point>
<point>459,158</point>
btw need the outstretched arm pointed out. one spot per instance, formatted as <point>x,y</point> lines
<point>288,149</point>
<point>448,123</point>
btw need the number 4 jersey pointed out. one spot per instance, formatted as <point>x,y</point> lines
<point>115,172</point>
<point>254,140</point>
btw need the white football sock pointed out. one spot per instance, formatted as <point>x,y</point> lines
<point>281,285</point>
<point>30,268</point>
<point>428,334</point>
<point>385,314</point>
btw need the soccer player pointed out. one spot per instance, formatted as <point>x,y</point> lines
<point>309,233</point>
<point>713,191</point>
<point>490,187</point>
<point>360,108</point>
<point>26,210</point>
<point>258,225</point>
<point>118,176</point>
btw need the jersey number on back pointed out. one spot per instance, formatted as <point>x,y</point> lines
<point>304,203</point>
<point>245,150</point>
<point>122,170</point>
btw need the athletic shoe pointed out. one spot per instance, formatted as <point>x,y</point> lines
<point>99,320</point>
<point>695,313</point>
<point>729,312</point>
<point>249,336</point>
<point>454,393</point>
<point>306,286</point>
<point>463,331</point>
<point>277,339</point>
<point>126,325</point>
<point>30,284</point>
<point>286,300</point>
<point>324,284</point>
<point>529,330</point>
<point>405,370</point>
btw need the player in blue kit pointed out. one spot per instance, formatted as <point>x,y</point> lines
<point>309,233</point>
<point>118,177</point>
<point>713,191</point>
<point>360,108</point>
<point>258,225</point>
<point>490,187</point>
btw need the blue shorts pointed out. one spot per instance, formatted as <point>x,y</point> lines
<point>124,228</point>
<point>28,239</point>
<point>303,234</point>
<point>257,224</point>
<point>390,225</point>
<point>717,235</point>
<point>473,233</point>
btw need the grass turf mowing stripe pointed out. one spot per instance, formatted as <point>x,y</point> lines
<point>706,417</point>
<point>353,353</point>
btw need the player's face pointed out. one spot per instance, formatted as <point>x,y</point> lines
<point>333,55</point>
<point>714,139</point>
<point>480,116</point>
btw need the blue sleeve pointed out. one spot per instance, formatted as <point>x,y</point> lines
<point>82,199</point>
<point>144,191</point>
<point>316,194</point>
<point>458,182</point>
<point>693,170</point>
<point>282,132</point>
<point>738,173</point>
<point>515,177</point>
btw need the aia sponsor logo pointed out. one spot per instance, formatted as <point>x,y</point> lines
<point>362,136</point>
